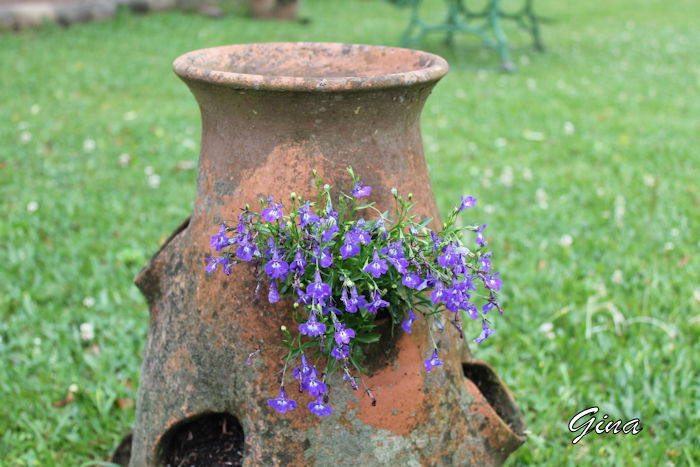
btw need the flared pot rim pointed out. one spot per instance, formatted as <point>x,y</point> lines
<point>310,66</point>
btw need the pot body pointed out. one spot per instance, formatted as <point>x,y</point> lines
<point>284,110</point>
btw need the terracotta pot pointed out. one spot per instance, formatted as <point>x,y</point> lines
<point>271,113</point>
<point>275,9</point>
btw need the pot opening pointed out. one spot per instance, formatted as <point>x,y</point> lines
<point>211,439</point>
<point>306,66</point>
<point>495,394</point>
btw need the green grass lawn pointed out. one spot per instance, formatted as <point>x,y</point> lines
<point>585,163</point>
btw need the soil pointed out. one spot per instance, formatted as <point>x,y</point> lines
<point>213,440</point>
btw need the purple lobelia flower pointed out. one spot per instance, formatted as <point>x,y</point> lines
<point>272,213</point>
<point>318,290</point>
<point>318,408</point>
<point>376,303</point>
<point>359,191</point>
<point>438,295</point>
<point>394,250</point>
<point>401,264</point>
<point>340,352</point>
<point>485,262</point>
<point>433,361</point>
<point>282,404</point>
<point>348,250</point>
<point>377,267</point>
<point>485,332</point>
<point>247,251</point>
<point>480,235</point>
<point>467,202</point>
<point>492,282</point>
<point>436,242</point>
<point>355,302</point>
<point>406,325</point>
<point>342,335</point>
<point>306,217</point>
<point>305,371</point>
<point>273,296</point>
<point>213,262</point>
<point>312,327</point>
<point>298,263</point>
<point>357,235</point>
<point>328,227</point>
<point>449,257</point>
<point>413,281</point>
<point>314,387</point>
<point>488,306</point>
<point>324,257</point>
<point>220,240</point>
<point>276,268</point>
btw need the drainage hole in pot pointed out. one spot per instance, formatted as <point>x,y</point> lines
<point>208,440</point>
<point>495,394</point>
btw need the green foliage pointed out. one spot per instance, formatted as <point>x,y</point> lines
<point>620,178</point>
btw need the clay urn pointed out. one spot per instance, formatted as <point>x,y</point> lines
<point>271,113</point>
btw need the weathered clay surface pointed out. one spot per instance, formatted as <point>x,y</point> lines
<point>271,113</point>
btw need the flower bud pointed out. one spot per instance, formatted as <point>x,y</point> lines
<point>296,305</point>
<point>395,192</point>
<point>326,187</point>
<point>410,196</point>
<point>283,328</point>
<point>293,196</point>
<point>314,173</point>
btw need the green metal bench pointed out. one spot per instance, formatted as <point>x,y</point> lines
<point>484,22</point>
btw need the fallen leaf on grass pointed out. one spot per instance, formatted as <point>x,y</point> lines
<point>70,397</point>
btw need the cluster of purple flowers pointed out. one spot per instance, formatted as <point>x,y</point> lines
<point>343,271</point>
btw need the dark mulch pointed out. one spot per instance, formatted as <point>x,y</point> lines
<point>212,440</point>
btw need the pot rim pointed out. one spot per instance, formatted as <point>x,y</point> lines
<point>196,66</point>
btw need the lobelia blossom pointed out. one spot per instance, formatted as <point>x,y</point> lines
<point>214,262</point>
<point>324,258</point>
<point>485,262</point>
<point>328,227</point>
<point>377,267</point>
<point>400,264</point>
<point>394,250</point>
<point>355,302</point>
<point>298,263</point>
<point>342,335</point>
<point>467,202</point>
<point>247,251</point>
<point>433,361</point>
<point>318,408</point>
<point>273,296</point>
<point>306,217</point>
<point>312,327</point>
<point>305,371</point>
<point>340,352</point>
<point>319,290</point>
<point>348,250</point>
<point>485,332</point>
<point>413,281</point>
<point>314,387</point>
<point>220,240</point>
<point>276,268</point>
<point>406,325</point>
<point>282,404</point>
<point>492,282</point>
<point>359,191</point>
<point>272,213</point>
<point>358,235</point>
<point>436,242</point>
<point>376,303</point>
<point>480,235</point>
<point>437,295</point>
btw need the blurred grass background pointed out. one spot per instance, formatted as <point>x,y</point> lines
<point>585,163</point>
